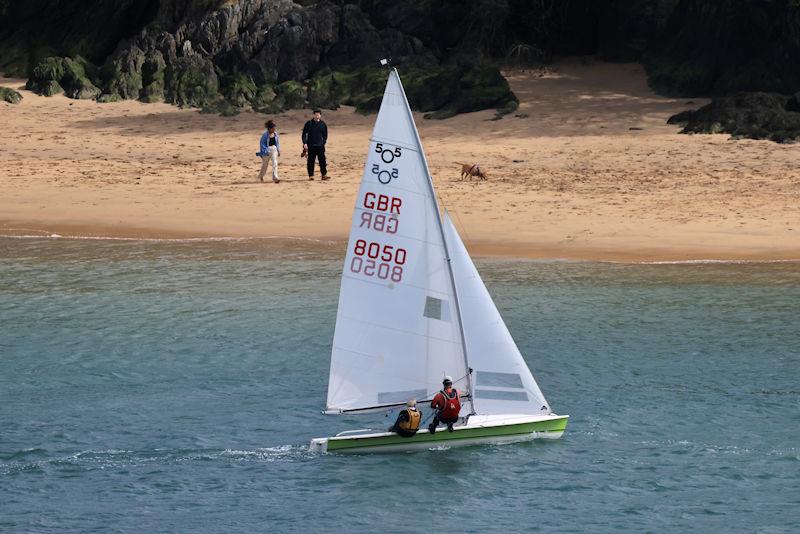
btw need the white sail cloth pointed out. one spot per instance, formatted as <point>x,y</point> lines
<point>503,384</point>
<point>397,329</point>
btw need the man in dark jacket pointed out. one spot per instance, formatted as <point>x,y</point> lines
<point>315,134</point>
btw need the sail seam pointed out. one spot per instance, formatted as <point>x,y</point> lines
<point>403,284</point>
<point>426,335</point>
<point>393,143</point>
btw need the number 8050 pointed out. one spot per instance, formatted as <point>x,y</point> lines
<point>370,266</point>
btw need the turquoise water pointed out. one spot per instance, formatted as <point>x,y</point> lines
<point>173,386</point>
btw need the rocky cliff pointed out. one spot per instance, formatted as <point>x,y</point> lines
<point>268,55</point>
<point>724,46</point>
<point>272,54</point>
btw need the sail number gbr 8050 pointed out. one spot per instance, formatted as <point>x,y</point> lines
<point>382,261</point>
<point>380,214</point>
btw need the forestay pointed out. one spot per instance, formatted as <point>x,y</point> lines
<point>397,327</point>
<point>502,381</point>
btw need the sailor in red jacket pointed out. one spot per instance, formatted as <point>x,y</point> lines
<point>447,404</point>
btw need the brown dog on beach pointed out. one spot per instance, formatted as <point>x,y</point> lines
<point>470,170</point>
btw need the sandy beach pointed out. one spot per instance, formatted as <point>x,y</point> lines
<point>586,169</point>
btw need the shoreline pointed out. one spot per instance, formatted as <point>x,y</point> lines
<point>480,249</point>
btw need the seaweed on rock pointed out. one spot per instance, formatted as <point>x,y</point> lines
<point>9,95</point>
<point>62,74</point>
<point>746,115</point>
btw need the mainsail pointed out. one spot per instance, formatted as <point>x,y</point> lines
<point>503,382</point>
<point>398,328</point>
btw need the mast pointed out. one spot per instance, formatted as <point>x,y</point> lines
<point>444,242</point>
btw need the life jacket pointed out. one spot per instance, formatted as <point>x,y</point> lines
<point>452,404</point>
<point>412,425</point>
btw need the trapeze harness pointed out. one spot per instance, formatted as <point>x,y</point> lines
<point>412,425</point>
<point>452,405</point>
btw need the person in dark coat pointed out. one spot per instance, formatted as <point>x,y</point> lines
<point>315,135</point>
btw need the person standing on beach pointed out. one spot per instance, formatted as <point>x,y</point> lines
<point>315,134</point>
<point>270,150</point>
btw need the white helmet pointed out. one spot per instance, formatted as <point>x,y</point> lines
<point>447,379</point>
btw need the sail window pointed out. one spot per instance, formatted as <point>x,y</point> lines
<point>393,397</point>
<point>503,380</point>
<point>495,394</point>
<point>436,309</point>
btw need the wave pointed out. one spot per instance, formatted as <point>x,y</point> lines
<point>26,460</point>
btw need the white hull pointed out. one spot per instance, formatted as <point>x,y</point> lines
<point>386,442</point>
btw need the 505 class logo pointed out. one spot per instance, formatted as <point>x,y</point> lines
<point>388,155</point>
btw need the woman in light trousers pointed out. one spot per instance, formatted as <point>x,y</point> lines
<point>270,150</point>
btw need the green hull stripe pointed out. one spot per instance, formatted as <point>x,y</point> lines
<point>552,425</point>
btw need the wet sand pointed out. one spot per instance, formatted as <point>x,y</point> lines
<point>587,168</point>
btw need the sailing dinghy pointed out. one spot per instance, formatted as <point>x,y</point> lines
<point>413,309</point>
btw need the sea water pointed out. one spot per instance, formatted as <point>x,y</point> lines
<point>174,386</point>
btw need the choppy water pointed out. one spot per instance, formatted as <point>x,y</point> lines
<point>173,386</point>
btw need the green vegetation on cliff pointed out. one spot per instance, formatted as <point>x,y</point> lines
<point>73,77</point>
<point>440,91</point>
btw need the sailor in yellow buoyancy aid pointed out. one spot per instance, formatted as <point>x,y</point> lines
<point>408,420</point>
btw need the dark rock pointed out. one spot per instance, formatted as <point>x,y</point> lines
<point>45,77</point>
<point>366,90</point>
<point>192,81</point>
<point>464,88</point>
<point>106,98</point>
<point>369,105</point>
<point>328,91</point>
<point>122,76</point>
<point>625,27</point>
<point>507,105</point>
<point>47,88</point>
<point>727,46</point>
<point>9,95</point>
<point>35,29</point>
<point>221,107</point>
<point>153,77</point>
<point>291,94</point>
<point>265,100</point>
<point>55,74</point>
<point>794,103</point>
<point>681,118</point>
<point>77,82</point>
<point>238,89</point>
<point>750,115</point>
<point>293,48</point>
<point>442,91</point>
<point>276,54</point>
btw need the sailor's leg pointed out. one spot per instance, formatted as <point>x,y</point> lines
<point>434,424</point>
